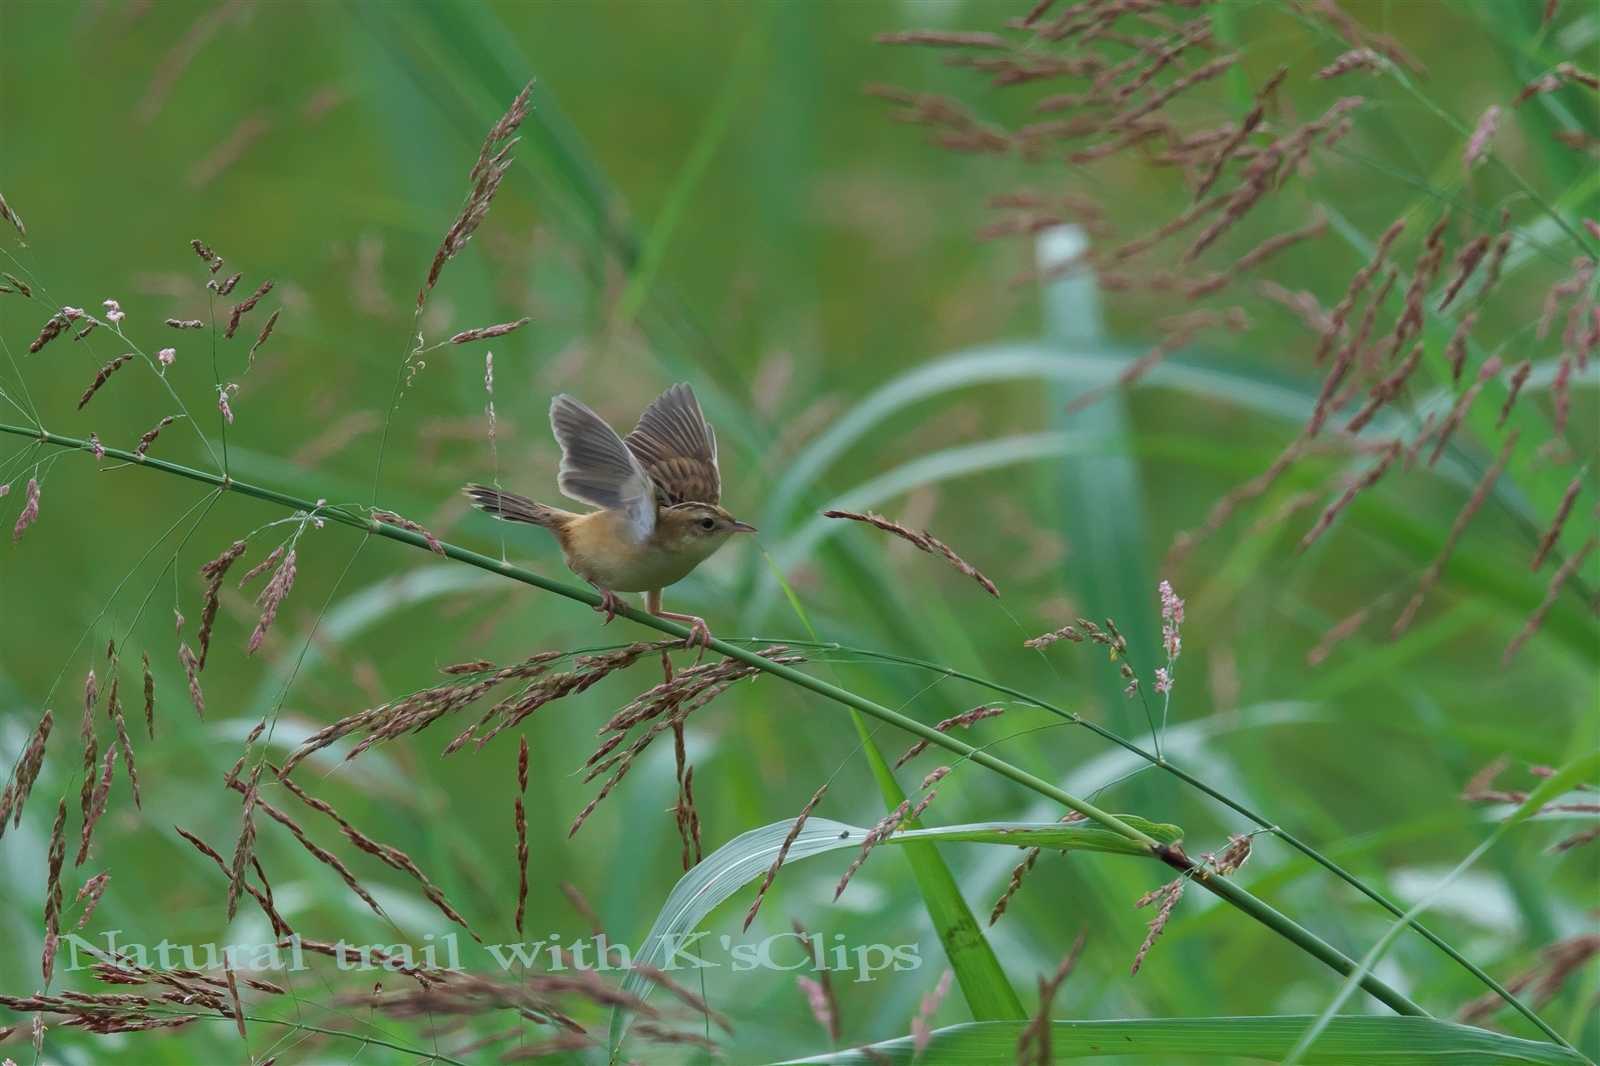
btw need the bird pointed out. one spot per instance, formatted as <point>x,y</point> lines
<point>657,497</point>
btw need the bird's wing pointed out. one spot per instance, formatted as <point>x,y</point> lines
<point>678,449</point>
<point>597,468</point>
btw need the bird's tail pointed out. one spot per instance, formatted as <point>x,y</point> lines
<point>513,508</point>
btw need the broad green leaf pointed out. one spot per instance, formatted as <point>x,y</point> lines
<point>747,856</point>
<point>1098,499</point>
<point>1349,1041</point>
<point>989,995</point>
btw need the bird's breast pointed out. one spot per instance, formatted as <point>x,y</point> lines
<point>599,548</point>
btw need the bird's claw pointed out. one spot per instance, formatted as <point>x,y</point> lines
<point>609,605</point>
<point>699,636</point>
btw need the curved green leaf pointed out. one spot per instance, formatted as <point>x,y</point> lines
<point>1349,1041</point>
<point>748,855</point>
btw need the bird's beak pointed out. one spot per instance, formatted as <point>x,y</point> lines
<point>743,527</point>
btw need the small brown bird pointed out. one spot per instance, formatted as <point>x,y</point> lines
<point>657,491</point>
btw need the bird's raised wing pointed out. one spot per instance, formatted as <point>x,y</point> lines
<point>598,469</point>
<point>677,449</point>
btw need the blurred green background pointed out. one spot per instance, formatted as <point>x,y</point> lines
<point>705,193</point>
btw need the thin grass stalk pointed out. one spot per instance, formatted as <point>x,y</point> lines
<point>1163,763</point>
<point>1171,855</point>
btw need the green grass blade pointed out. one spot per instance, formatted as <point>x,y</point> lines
<point>1099,505</point>
<point>1350,1041</point>
<point>983,982</point>
<point>988,993</point>
<point>1575,773</point>
<point>747,856</point>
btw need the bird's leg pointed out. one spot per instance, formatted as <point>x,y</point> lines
<point>610,603</point>
<point>652,603</point>
<point>699,632</point>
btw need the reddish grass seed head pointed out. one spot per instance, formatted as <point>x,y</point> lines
<point>1482,134</point>
<point>1355,59</point>
<point>29,513</point>
<point>783,853</point>
<point>27,772</point>
<point>100,378</point>
<point>922,540</point>
<point>271,598</point>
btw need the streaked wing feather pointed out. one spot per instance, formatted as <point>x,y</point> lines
<point>597,468</point>
<point>678,449</point>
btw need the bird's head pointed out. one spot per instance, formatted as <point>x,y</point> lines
<point>700,528</point>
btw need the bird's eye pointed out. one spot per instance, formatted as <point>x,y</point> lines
<point>708,524</point>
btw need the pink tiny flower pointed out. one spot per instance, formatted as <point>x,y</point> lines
<point>1163,680</point>
<point>113,311</point>
<point>96,447</point>
<point>222,403</point>
<point>1171,605</point>
<point>167,356</point>
<point>72,313</point>
<point>1171,619</point>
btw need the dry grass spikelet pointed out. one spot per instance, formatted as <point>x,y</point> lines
<point>54,326</point>
<point>434,544</point>
<point>1435,569</point>
<point>1553,533</point>
<point>271,598</point>
<point>29,513</point>
<point>52,890</point>
<point>1168,894</point>
<point>101,378</point>
<point>279,926</point>
<point>519,817</point>
<point>877,834</point>
<point>494,159</point>
<point>1557,581</point>
<point>262,567</point>
<point>1033,1043</point>
<point>922,540</point>
<point>89,895</point>
<point>244,849</point>
<point>214,572</point>
<point>391,856</point>
<point>321,854</point>
<point>124,742</point>
<point>191,669</point>
<point>96,805</point>
<point>489,332</point>
<point>783,853</point>
<point>150,435</point>
<point>244,307</point>
<point>9,214</point>
<point>26,773</point>
<point>261,338</point>
<point>964,720</point>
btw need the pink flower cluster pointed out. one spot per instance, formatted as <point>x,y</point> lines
<point>1171,619</point>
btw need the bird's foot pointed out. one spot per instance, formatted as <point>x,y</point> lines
<point>610,603</point>
<point>699,633</point>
